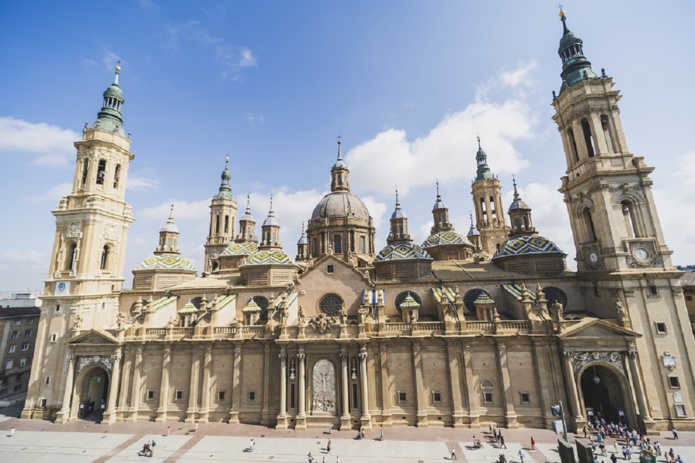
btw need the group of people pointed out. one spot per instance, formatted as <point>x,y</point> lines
<point>147,449</point>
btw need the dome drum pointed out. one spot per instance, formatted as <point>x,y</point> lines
<point>531,255</point>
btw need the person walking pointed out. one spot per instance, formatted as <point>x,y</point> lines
<point>533,443</point>
<point>381,434</point>
<point>195,426</point>
<point>502,444</point>
<point>453,454</point>
<point>614,459</point>
<point>675,433</point>
<point>311,458</point>
<point>328,446</point>
<point>521,456</point>
<point>168,431</point>
<point>12,432</point>
<point>330,428</point>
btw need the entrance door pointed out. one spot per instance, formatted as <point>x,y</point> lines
<point>603,394</point>
<point>92,394</point>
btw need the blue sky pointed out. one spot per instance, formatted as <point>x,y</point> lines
<point>407,84</point>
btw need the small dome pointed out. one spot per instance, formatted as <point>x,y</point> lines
<point>527,245</point>
<point>518,204</point>
<point>268,258</point>
<point>445,239</point>
<point>473,232</point>
<point>239,249</point>
<point>340,204</point>
<point>270,221</point>
<point>170,227</point>
<point>402,251</point>
<point>166,262</point>
<point>398,214</point>
<point>569,38</point>
<point>114,91</point>
<point>484,299</point>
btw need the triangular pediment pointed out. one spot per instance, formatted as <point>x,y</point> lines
<point>321,264</point>
<point>596,328</point>
<point>94,337</point>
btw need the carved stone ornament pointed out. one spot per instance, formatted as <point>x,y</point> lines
<point>580,359</point>
<point>85,361</point>
<point>111,233</point>
<point>669,360</point>
<point>73,230</point>
<point>322,323</point>
<point>324,387</point>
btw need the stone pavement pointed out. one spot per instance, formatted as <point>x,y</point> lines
<point>85,441</point>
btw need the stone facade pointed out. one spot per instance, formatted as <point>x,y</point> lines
<point>450,333</point>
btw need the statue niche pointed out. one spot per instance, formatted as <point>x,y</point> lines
<point>324,387</point>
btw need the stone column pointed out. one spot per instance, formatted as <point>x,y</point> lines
<point>509,413</point>
<point>122,400</point>
<point>265,407</point>
<point>572,388</point>
<point>543,381</point>
<point>385,392</point>
<point>637,383</point>
<point>164,387</point>
<point>345,390</point>
<point>207,381</point>
<point>420,399</point>
<point>192,412</point>
<point>110,413</point>
<point>301,412</point>
<point>135,387</point>
<point>455,383</point>
<point>468,381</point>
<point>236,387</point>
<point>366,419</point>
<point>64,413</point>
<point>282,416</point>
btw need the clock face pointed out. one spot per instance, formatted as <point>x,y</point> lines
<point>61,286</point>
<point>593,257</point>
<point>641,254</point>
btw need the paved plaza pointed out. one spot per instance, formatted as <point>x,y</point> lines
<point>87,441</point>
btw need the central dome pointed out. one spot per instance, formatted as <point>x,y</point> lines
<point>340,204</point>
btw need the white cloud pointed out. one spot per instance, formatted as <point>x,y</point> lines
<point>145,181</point>
<point>231,58</point>
<point>54,194</point>
<point>183,210</point>
<point>521,76</point>
<point>50,144</point>
<point>23,259</point>
<point>390,159</point>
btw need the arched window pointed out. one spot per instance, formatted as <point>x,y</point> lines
<point>337,244</point>
<point>487,389</point>
<point>588,138</point>
<point>573,144</point>
<point>470,297</point>
<point>493,211</point>
<point>401,297</point>
<point>85,171</point>
<point>605,126</point>
<point>331,304</point>
<point>263,303</point>
<point>101,172</point>
<point>217,223</point>
<point>104,257</point>
<point>589,225</point>
<point>314,247</point>
<point>630,220</point>
<point>363,244</point>
<point>116,175</point>
<point>71,259</point>
<point>554,294</point>
<point>226,224</point>
<point>483,210</point>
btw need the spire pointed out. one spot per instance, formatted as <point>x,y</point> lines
<point>397,213</point>
<point>168,236</point>
<point>247,213</point>
<point>270,220</point>
<point>575,66</point>
<point>516,193</point>
<point>340,172</point>
<point>110,118</point>
<point>270,231</point>
<point>438,204</point>
<point>302,239</point>
<point>483,172</point>
<point>246,225</point>
<point>225,190</point>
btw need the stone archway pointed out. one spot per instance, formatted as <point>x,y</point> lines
<point>323,386</point>
<point>91,393</point>
<point>605,393</point>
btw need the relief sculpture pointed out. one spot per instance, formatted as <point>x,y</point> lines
<point>324,387</point>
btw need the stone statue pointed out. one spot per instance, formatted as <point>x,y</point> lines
<point>171,323</point>
<point>120,321</point>
<point>343,314</point>
<point>379,297</point>
<point>301,319</point>
<point>558,311</point>
<point>362,314</point>
<point>77,322</point>
<point>620,311</point>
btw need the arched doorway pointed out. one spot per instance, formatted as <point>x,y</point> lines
<point>605,393</point>
<point>91,393</point>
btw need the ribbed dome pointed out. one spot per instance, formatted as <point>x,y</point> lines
<point>340,204</point>
<point>526,245</point>
<point>166,263</point>
<point>445,239</point>
<point>402,251</point>
<point>240,249</point>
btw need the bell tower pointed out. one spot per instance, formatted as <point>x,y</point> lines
<point>607,189</point>
<point>86,270</point>
<point>624,266</point>
<point>222,219</point>
<point>487,198</point>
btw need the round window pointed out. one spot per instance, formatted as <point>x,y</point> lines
<point>401,297</point>
<point>331,304</point>
<point>470,297</point>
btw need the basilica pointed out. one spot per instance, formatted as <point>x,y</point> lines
<point>461,330</point>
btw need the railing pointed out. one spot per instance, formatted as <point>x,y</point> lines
<point>481,326</point>
<point>400,326</point>
<point>428,326</point>
<point>252,330</point>
<point>231,330</point>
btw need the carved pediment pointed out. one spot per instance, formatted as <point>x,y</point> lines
<point>596,328</point>
<point>94,337</point>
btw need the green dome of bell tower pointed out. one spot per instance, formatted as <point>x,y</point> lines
<point>110,118</point>
<point>575,66</point>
